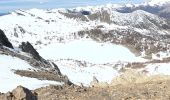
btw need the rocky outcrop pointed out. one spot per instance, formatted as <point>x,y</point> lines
<point>20,93</point>
<point>4,40</point>
<point>45,70</point>
<point>27,47</point>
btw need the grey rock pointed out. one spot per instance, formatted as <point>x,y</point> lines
<point>4,40</point>
<point>27,47</point>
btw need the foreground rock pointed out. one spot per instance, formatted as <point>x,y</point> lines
<point>153,90</point>
<point>129,86</point>
<point>20,93</point>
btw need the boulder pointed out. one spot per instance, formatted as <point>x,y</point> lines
<point>20,93</point>
<point>4,40</point>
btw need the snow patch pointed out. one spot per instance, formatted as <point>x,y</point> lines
<point>161,68</point>
<point>84,75</point>
<point>89,51</point>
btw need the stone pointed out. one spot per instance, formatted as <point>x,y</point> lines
<point>22,93</point>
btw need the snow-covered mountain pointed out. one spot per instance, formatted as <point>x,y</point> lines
<point>103,24</point>
<point>84,42</point>
<point>158,2</point>
<point>158,7</point>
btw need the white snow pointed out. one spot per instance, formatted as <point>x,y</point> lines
<point>159,68</point>
<point>9,80</point>
<point>94,54</point>
<point>37,28</point>
<point>84,75</point>
<point>89,51</point>
<point>161,55</point>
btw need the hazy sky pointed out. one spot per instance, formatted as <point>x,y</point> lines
<point>10,5</point>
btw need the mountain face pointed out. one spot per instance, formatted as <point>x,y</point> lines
<point>86,43</point>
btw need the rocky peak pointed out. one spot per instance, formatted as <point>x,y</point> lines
<point>4,40</point>
<point>27,47</point>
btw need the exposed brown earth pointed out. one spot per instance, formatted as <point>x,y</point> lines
<point>155,90</point>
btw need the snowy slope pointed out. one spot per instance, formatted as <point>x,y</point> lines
<point>159,68</point>
<point>84,75</point>
<point>36,27</point>
<point>42,27</point>
<point>9,80</point>
<point>92,54</point>
<point>89,51</point>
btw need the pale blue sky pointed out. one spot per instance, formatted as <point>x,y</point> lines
<point>10,5</point>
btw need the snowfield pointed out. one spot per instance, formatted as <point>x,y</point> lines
<point>156,69</point>
<point>9,80</point>
<point>89,51</point>
<point>84,75</point>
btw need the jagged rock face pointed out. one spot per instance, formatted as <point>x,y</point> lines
<point>4,40</point>
<point>20,93</point>
<point>27,47</point>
